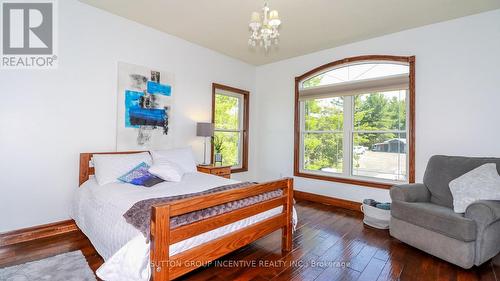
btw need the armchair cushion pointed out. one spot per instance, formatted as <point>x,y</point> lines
<point>415,192</point>
<point>436,218</point>
<point>441,170</point>
<point>484,212</point>
<point>482,183</point>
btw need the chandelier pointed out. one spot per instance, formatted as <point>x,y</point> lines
<point>264,28</point>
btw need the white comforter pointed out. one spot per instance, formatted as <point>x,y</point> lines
<point>98,212</point>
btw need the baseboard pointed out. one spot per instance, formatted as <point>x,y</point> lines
<point>37,232</point>
<point>337,202</point>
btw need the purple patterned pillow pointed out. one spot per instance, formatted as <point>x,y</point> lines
<point>140,176</point>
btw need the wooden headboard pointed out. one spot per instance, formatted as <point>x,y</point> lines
<point>86,170</point>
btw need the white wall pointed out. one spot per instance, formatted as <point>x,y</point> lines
<point>457,97</point>
<point>48,117</point>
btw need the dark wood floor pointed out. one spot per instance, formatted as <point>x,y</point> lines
<point>326,237</point>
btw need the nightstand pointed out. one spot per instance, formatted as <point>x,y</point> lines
<point>221,171</point>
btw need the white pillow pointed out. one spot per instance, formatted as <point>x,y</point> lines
<point>181,156</point>
<point>482,183</point>
<point>167,170</point>
<point>109,167</point>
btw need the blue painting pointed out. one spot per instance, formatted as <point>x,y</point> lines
<point>147,117</point>
<point>146,97</point>
<point>131,100</point>
<point>160,89</point>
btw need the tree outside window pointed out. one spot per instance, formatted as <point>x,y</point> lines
<point>230,106</point>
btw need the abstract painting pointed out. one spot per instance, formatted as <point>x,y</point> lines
<point>145,101</point>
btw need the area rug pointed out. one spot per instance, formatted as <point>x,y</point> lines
<point>70,266</point>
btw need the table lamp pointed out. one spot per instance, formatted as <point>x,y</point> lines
<point>205,130</point>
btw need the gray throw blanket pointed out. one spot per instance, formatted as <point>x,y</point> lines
<point>139,215</point>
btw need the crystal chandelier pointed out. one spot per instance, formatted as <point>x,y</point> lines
<point>264,29</point>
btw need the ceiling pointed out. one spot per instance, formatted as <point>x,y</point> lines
<point>307,25</point>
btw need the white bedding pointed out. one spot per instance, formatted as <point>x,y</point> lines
<point>98,212</point>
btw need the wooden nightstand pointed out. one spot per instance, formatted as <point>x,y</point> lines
<point>221,171</point>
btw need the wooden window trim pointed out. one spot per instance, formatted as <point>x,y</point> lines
<point>246,117</point>
<point>411,116</point>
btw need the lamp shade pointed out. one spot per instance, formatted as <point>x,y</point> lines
<point>204,129</point>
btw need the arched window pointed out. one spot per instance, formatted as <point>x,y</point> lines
<point>356,72</point>
<point>354,121</point>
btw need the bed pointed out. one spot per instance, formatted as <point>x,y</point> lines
<point>169,253</point>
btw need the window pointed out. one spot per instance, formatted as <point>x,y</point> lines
<point>354,121</point>
<point>355,72</point>
<point>230,117</point>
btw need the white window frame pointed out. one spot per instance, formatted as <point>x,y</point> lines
<point>348,134</point>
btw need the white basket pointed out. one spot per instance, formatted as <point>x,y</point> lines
<point>376,217</point>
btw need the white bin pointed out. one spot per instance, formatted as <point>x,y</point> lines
<point>376,217</point>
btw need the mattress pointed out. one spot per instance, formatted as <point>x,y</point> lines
<point>98,212</point>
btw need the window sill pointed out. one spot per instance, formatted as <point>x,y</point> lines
<point>375,184</point>
<point>238,170</point>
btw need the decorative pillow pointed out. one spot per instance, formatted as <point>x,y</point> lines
<point>108,167</point>
<point>167,170</point>
<point>482,183</point>
<point>140,176</point>
<point>181,156</point>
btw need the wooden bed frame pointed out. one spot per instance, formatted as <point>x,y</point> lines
<point>165,267</point>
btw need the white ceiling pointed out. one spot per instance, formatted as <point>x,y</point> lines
<point>307,25</point>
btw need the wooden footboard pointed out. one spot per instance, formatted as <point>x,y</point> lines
<point>166,267</point>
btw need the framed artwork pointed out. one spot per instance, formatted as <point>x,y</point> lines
<point>145,101</point>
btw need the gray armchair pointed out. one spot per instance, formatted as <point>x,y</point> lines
<point>422,215</point>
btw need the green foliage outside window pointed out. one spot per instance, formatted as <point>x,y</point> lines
<point>324,150</point>
<point>312,82</point>
<point>378,112</point>
<point>227,118</point>
<point>226,112</point>
<point>372,112</point>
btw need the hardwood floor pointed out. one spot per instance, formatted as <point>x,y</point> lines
<point>329,244</point>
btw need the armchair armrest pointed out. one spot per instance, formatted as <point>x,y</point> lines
<point>484,212</point>
<point>414,192</point>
